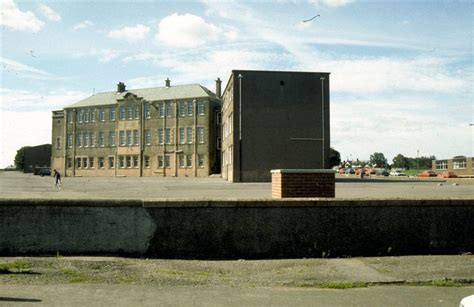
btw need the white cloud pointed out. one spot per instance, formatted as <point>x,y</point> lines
<point>15,134</point>
<point>330,3</point>
<point>83,25</point>
<point>130,34</point>
<point>103,55</point>
<point>15,19</point>
<point>189,31</point>
<point>27,101</point>
<point>49,13</point>
<point>23,71</point>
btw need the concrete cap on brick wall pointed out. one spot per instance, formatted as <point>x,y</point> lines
<point>303,171</point>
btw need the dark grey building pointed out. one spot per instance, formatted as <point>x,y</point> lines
<point>36,157</point>
<point>273,120</point>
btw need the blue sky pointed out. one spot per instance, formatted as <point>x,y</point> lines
<point>401,71</point>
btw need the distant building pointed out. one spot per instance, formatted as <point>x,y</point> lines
<point>460,165</point>
<point>37,157</point>
<point>274,120</point>
<point>161,131</point>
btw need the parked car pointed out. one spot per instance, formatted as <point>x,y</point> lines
<point>382,172</point>
<point>350,171</point>
<point>427,174</point>
<point>447,175</point>
<point>44,171</point>
<point>397,173</point>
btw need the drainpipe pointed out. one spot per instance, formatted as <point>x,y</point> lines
<point>74,142</point>
<point>175,138</point>
<point>240,127</point>
<point>322,117</point>
<point>142,137</point>
<point>195,137</point>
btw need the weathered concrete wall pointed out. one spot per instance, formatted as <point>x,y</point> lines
<point>237,229</point>
<point>74,227</point>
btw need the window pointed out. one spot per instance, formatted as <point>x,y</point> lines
<point>182,108</point>
<point>441,165</point>
<point>201,160</point>
<point>130,112</point>
<point>69,140</point>
<point>112,138</point>
<point>181,161</point>
<point>218,117</point>
<point>58,143</point>
<point>219,143</point>
<point>122,113</point>
<point>135,161</point>
<point>78,163</point>
<point>112,114</point>
<point>190,108</point>
<point>160,136</point>
<point>84,162</point>
<point>69,162</point>
<point>86,139</point>
<point>92,139</point>
<point>101,162</point>
<point>147,111</point>
<point>200,135</point>
<point>161,163</point>
<point>81,116</point>
<point>459,164</point>
<point>182,139</point>
<point>79,140</point>
<point>129,161</point>
<point>129,137</point>
<point>161,109</point>
<point>111,162</point>
<point>168,109</point>
<point>121,161</point>
<point>87,116</point>
<point>91,162</point>
<point>102,115</point>
<point>135,137</point>
<point>189,135</point>
<point>147,161</point>
<point>168,135</point>
<point>229,158</point>
<point>101,139</point>
<point>70,117</point>
<point>189,160</point>
<point>147,137</point>
<point>230,120</point>
<point>136,112</point>
<point>200,108</point>
<point>167,161</point>
<point>122,137</point>
<point>93,116</point>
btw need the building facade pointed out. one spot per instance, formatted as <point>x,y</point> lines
<point>162,131</point>
<point>461,166</point>
<point>274,120</point>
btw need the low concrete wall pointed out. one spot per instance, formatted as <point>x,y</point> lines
<point>237,229</point>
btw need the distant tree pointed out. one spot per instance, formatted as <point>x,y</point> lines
<point>20,158</point>
<point>378,159</point>
<point>422,163</point>
<point>334,157</point>
<point>400,161</point>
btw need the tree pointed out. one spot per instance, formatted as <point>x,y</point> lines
<point>334,157</point>
<point>20,158</point>
<point>378,159</point>
<point>400,161</point>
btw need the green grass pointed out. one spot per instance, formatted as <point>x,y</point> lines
<point>17,266</point>
<point>414,172</point>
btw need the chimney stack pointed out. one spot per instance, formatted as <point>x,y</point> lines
<point>218,87</point>
<point>167,82</point>
<point>120,87</point>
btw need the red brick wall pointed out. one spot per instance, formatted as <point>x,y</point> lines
<point>287,184</point>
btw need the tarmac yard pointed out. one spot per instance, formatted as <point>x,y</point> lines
<point>19,185</point>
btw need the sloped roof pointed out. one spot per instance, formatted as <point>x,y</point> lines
<point>149,94</point>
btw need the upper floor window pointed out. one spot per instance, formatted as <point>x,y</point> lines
<point>123,115</point>
<point>161,109</point>
<point>168,109</point>
<point>80,116</point>
<point>130,112</point>
<point>168,135</point>
<point>129,137</point>
<point>101,139</point>
<point>200,108</point>
<point>70,117</point>
<point>58,143</point>
<point>160,136</point>
<point>93,116</point>
<point>182,139</point>
<point>200,135</point>
<point>92,139</point>
<point>102,115</point>
<point>189,135</point>
<point>112,114</point>
<point>112,138</point>
<point>135,137</point>
<point>69,140</point>
<point>136,112</point>
<point>147,137</point>
<point>182,108</point>
<point>147,111</point>
<point>122,137</point>
<point>87,115</point>
<point>190,108</point>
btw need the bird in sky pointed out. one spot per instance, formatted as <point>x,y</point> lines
<point>311,18</point>
<point>32,53</point>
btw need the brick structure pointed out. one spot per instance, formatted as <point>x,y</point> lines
<point>303,183</point>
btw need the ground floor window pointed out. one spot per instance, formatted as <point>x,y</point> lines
<point>135,161</point>
<point>167,161</point>
<point>69,162</point>
<point>147,161</point>
<point>129,161</point>
<point>78,162</point>
<point>101,162</point>
<point>121,161</point>
<point>189,160</point>
<point>200,160</point>
<point>181,161</point>
<point>161,162</point>
<point>91,162</point>
<point>441,165</point>
<point>85,162</point>
<point>111,162</point>
<point>459,164</point>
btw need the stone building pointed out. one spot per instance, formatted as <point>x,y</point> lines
<point>274,120</point>
<point>161,131</point>
<point>459,165</point>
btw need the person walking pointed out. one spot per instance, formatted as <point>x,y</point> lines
<point>57,177</point>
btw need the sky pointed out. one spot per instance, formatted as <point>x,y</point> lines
<point>401,71</point>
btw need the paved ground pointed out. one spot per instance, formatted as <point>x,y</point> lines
<point>18,185</point>
<point>98,281</point>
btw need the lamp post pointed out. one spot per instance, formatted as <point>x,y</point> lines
<point>322,115</point>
